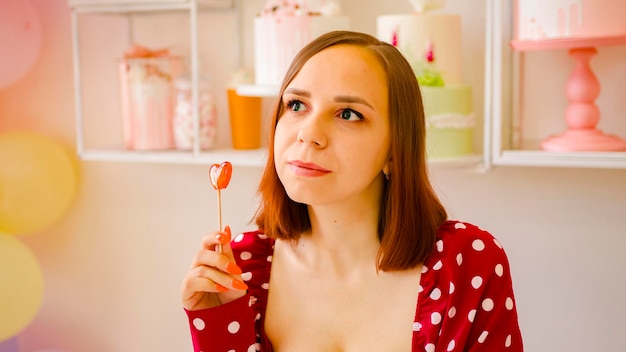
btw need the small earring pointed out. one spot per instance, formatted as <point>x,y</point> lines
<point>387,175</point>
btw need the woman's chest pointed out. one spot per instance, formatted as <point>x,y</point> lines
<point>306,313</point>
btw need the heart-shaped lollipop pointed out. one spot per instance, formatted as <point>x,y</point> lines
<point>220,175</point>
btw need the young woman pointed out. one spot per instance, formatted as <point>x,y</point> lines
<point>354,250</point>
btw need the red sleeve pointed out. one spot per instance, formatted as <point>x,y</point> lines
<point>467,300</point>
<point>227,327</point>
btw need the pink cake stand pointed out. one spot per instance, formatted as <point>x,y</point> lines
<point>582,89</point>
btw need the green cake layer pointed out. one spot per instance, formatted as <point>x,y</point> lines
<point>449,121</point>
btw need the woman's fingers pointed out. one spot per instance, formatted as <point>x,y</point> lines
<point>214,238</point>
<point>218,238</point>
<point>208,255</point>
<point>208,279</point>
<point>226,248</point>
<point>214,277</point>
<point>220,261</point>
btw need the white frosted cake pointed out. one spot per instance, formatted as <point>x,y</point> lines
<point>283,28</point>
<point>431,42</point>
<point>558,19</point>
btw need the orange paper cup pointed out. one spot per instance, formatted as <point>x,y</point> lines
<point>245,120</point>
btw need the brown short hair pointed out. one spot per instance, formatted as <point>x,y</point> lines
<point>411,212</point>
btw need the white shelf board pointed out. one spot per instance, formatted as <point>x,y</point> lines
<point>457,161</point>
<point>125,6</point>
<point>612,160</point>
<point>252,157</point>
<point>472,163</point>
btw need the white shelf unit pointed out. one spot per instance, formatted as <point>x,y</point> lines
<point>502,88</point>
<point>144,7</point>
<point>116,153</point>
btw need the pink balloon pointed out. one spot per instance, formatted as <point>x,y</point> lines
<point>20,40</point>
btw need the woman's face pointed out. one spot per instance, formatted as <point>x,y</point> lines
<point>332,140</point>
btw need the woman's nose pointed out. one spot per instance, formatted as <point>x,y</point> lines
<point>313,131</point>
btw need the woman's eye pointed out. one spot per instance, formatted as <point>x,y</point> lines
<point>295,105</point>
<point>350,115</point>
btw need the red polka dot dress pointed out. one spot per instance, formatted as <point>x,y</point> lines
<point>465,302</point>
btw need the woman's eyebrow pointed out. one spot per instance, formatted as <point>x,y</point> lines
<point>353,99</point>
<point>297,91</point>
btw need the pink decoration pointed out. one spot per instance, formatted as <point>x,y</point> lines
<point>20,40</point>
<point>430,52</point>
<point>561,19</point>
<point>582,114</point>
<point>394,38</point>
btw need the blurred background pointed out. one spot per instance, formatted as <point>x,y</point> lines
<point>101,265</point>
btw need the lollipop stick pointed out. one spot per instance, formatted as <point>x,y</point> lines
<point>218,247</point>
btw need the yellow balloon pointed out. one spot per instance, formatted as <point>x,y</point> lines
<point>37,182</point>
<point>21,286</point>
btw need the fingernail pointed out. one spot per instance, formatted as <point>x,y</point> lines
<point>233,268</point>
<point>221,288</point>
<point>220,238</point>
<point>227,230</point>
<point>239,285</point>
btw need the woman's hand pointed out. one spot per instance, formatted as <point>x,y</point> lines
<point>214,278</point>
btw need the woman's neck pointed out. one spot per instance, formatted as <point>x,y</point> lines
<point>342,240</point>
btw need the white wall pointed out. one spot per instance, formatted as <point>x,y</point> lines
<point>114,264</point>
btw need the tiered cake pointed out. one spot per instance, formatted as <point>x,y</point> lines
<point>283,28</point>
<point>557,19</point>
<point>431,42</point>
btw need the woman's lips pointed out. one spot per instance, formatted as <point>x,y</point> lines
<point>301,168</point>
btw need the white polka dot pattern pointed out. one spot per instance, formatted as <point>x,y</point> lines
<point>435,318</point>
<point>199,324</point>
<point>471,315</point>
<point>477,281</point>
<point>499,270</point>
<point>467,289</point>
<point>509,303</point>
<point>483,337</point>
<point>436,294</point>
<point>451,312</point>
<point>233,327</point>
<point>488,304</point>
